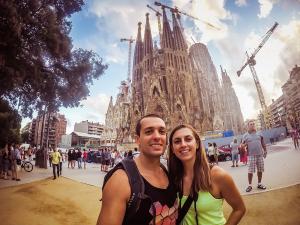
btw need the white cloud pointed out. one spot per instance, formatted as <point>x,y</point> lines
<point>118,19</point>
<point>241,3</point>
<point>208,11</point>
<point>265,7</point>
<point>93,109</point>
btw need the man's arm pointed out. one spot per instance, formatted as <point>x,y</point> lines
<point>263,146</point>
<point>115,196</point>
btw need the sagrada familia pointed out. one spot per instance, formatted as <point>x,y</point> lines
<point>179,83</point>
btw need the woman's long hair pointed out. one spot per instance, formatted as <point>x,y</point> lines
<point>201,179</point>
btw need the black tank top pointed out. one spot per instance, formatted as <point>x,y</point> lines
<point>163,201</point>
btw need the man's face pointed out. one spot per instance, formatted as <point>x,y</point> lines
<point>153,136</point>
<point>251,126</point>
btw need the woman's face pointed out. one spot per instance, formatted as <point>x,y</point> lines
<point>184,144</point>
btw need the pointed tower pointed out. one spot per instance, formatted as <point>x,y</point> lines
<point>137,100</point>
<point>148,48</point>
<point>233,118</point>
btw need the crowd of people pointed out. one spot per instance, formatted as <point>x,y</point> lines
<point>10,159</point>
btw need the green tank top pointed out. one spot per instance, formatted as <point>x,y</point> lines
<point>209,210</point>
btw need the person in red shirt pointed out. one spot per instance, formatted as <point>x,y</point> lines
<point>84,158</point>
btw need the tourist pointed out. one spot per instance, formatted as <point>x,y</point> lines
<point>234,153</point>
<point>201,185</point>
<point>151,137</point>
<point>257,151</point>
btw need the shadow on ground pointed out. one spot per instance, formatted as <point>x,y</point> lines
<point>67,202</point>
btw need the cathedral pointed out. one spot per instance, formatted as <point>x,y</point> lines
<point>177,82</point>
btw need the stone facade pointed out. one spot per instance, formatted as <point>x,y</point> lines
<point>291,95</point>
<point>178,83</point>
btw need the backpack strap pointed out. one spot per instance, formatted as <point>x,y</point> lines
<point>136,183</point>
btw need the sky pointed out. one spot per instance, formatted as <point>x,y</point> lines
<point>242,25</point>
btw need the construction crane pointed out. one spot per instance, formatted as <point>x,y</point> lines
<point>130,41</point>
<point>178,12</point>
<point>251,62</point>
<point>158,14</point>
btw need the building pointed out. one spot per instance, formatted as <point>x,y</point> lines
<point>179,84</point>
<point>231,110</point>
<point>277,112</point>
<point>47,129</point>
<point>291,95</point>
<point>84,140</point>
<point>89,127</point>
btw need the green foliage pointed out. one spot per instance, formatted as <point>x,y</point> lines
<point>10,122</point>
<point>37,64</point>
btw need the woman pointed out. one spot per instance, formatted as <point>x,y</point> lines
<point>207,186</point>
<point>243,154</point>
<point>216,153</point>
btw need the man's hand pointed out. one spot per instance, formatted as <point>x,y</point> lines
<point>265,154</point>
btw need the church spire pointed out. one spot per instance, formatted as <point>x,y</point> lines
<point>179,41</point>
<point>138,51</point>
<point>148,44</point>
<point>167,38</point>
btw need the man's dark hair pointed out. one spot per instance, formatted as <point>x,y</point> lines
<point>139,124</point>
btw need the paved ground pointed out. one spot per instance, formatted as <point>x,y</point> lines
<point>282,167</point>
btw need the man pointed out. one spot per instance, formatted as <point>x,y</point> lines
<point>257,151</point>
<point>151,139</point>
<point>295,137</point>
<point>55,163</point>
<point>15,156</point>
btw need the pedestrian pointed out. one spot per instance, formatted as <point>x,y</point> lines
<point>243,154</point>
<point>79,159</point>
<point>234,153</point>
<point>49,157</point>
<point>15,161</point>
<point>129,155</point>
<point>295,137</point>
<point>211,153</point>
<point>60,162</point>
<point>73,158</point>
<point>100,155</point>
<point>29,153</point>
<point>85,157</point>
<point>161,205</point>
<point>257,151</point>
<point>216,153</point>
<point>5,157</point>
<point>56,157</point>
<point>69,158</point>
<point>198,183</point>
<point>113,158</point>
<point>107,158</point>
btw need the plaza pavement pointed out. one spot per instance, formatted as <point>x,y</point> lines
<point>282,169</point>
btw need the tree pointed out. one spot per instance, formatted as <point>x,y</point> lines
<point>10,122</point>
<point>37,64</point>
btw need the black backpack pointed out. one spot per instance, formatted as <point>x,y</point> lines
<point>136,183</point>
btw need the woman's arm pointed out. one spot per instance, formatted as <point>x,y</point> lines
<point>231,194</point>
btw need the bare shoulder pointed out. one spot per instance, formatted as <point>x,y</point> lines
<point>219,175</point>
<point>118,183</point>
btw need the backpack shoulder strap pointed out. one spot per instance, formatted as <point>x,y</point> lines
<point>136,183</point>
